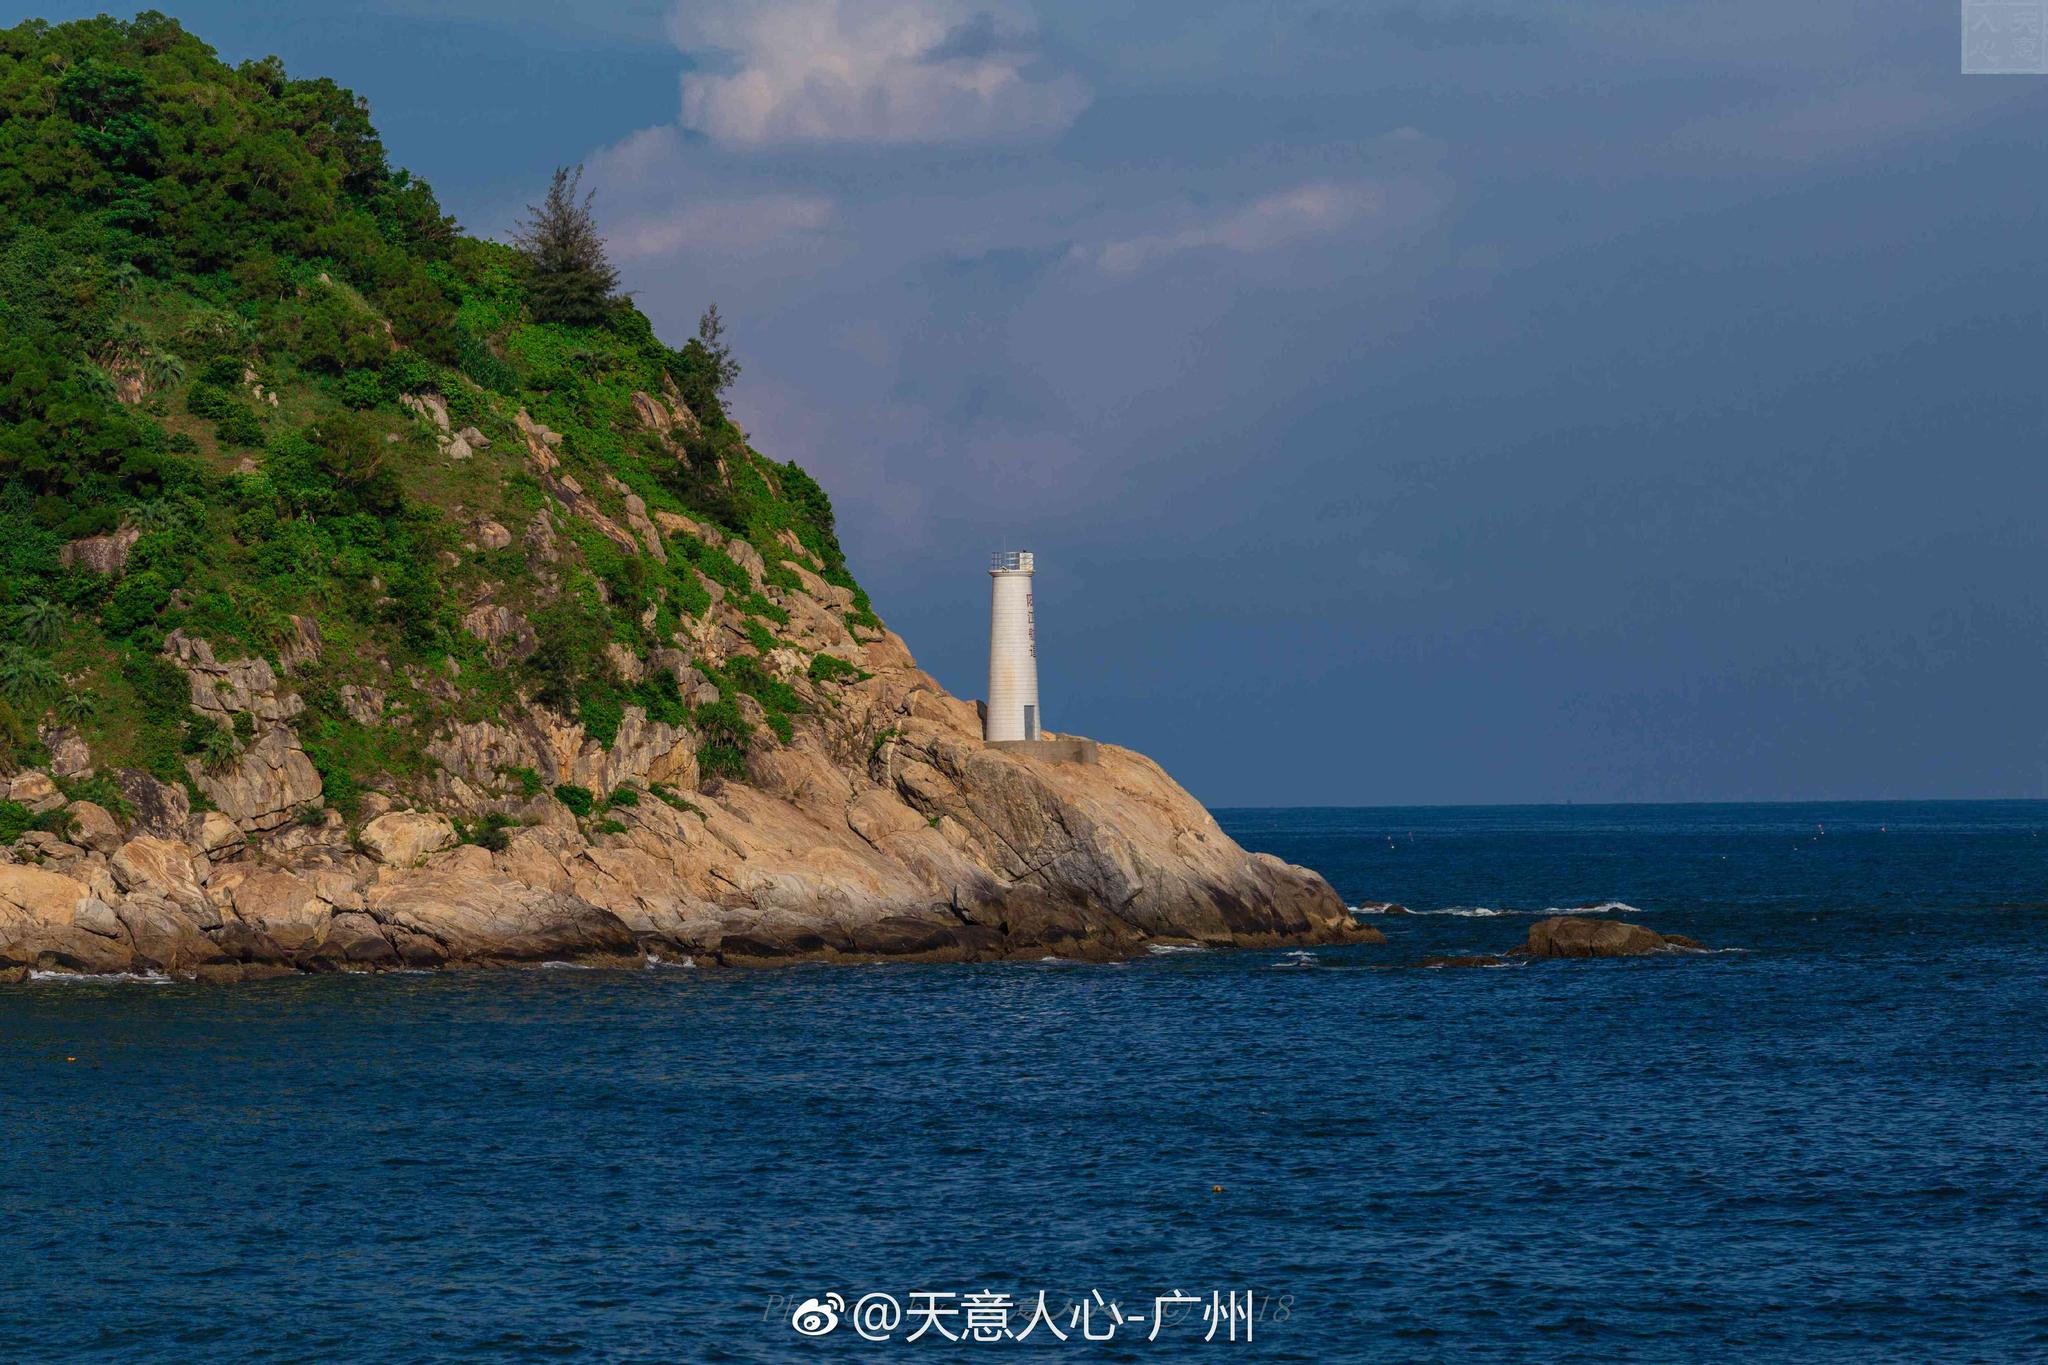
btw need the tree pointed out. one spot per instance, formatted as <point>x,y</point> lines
<point>711,334</point>
<point>572,281</point>
<point>26,679</point>
<point>162,369</point>
<point>704,369</point>
<point>42,621</point>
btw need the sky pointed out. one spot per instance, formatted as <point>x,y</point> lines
<point>1564,400</point>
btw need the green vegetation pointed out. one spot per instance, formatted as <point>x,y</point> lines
<point>215,291</point>
<point>826,668</point>
<point>669,798</point>
<point>489,832</point>
<point>580,800</point>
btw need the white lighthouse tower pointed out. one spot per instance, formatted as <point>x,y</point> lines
<point>1012,650</point>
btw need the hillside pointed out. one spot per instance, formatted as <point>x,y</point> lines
<point>337,589</point>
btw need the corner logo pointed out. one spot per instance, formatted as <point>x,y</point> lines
<point>2005,37</point>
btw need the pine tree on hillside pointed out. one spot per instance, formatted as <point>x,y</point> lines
<point>572,281</point>
<point>711,335</point>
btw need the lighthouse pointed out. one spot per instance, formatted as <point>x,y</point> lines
<point>1012,650</point>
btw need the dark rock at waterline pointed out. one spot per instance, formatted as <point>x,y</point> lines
<point>1381,908</point>
<point>1468,960</point>
<point>1577,936</point>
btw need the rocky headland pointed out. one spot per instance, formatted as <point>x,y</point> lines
<point>884,829</point>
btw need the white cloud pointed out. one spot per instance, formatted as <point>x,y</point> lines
<point>729,226</point>
<point>868,71</point>
<point>644,172</point>
<point>1278,220</point>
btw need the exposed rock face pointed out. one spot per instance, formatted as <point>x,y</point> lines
<point>159,867</point>
<point>70,755</point>
<point>509,634</point>
<point>1580,936</point>
<point>159,807</point>
<point>226,687</point>
<point>94,826</point>
<point>36,791</point>
<point>213,833</point>
<point>404,838</point>
<point>266,785</point>
<point>107,554</point>
<point>430,406</point>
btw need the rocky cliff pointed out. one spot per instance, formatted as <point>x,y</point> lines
<point>883,829</point>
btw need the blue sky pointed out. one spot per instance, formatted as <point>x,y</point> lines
<point>1567,400</point>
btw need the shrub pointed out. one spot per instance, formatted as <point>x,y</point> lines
<point>601,712</point>
<point>827,668</point>
<point>209,400</point>
<point>476,360</point>
<point>362,389</point>
<point>240,427</point>
<point>405,372</point>
<point>753,604</point>
<point>726,736</point>
<point>609,827</point>
<point>19,746</point>
<point>692,598</point>
<point>659,696</point>
<point>136,603</point>
<point>223,371</point>
<point>489,832</point>
<point>102,791</point>
<point>580,800</point>
<point>338,785</point>
<point>529,781</point>
<point>217,746</point>
<point>669,798</point>
<point>624,796</point>
<point>160,687</point>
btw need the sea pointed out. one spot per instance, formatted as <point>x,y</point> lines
<point>1825,1138</point>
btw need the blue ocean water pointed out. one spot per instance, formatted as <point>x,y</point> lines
<point>1827,1144</point>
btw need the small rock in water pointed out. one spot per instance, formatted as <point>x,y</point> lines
<point>1576,936</point>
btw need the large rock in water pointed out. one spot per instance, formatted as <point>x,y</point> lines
<point>1583,936</point>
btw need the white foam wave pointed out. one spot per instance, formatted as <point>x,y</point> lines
<point>1488,912</point>
<point>1163,948</point>
<point>656,962</point>
<point>563,967</point>
<point>102,978</point>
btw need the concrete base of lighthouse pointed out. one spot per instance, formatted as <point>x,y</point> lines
<point>1065,750</point>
